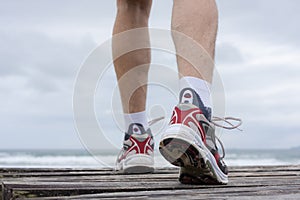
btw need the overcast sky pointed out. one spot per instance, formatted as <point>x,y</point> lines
<point>43,44</point>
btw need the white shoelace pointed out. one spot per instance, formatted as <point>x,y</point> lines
<point>230,127</point>
<point>155,120</point>
<point>227,121</point>
<point>213,121</point>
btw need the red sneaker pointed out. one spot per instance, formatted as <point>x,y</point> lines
<point>190,143</point>
<point>137,154</point>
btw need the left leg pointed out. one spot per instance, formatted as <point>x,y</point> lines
<point>132,73</point>
<point>132,14</point>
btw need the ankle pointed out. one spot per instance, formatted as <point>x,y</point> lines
<point>196,91</point>
<point>138,119</point>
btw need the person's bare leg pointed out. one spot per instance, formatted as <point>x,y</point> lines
<point>197,19</point>
<point>132,72</point>
<point>192,144</point>
<point>132,14</point>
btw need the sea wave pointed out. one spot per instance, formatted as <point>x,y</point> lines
<point>84,160</point>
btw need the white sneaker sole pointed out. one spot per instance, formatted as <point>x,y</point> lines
<point>136,164</point>
<point>182,147</point>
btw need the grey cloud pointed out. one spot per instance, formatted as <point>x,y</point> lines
<point>38,13</point>
<point>258,77</point>
<point>227,53</point>
<point>267,21</point>
<point>44,61</point>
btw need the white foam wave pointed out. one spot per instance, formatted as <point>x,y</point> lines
<point>100,161</point>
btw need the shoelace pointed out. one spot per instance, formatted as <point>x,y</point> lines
<point>230,127</point>
<point>227,121</point>
<point>214,122</point>
<point>155,120</point>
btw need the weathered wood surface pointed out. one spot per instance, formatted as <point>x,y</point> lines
<point>271,182</point>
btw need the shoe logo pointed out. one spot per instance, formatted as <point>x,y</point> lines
<point>187,97</point>
<point>136,129</point>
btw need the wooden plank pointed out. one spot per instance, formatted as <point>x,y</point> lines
<point>233,173</point>
<point>158,170</point>
<point>44,184</point>
<point>77,172</point>
<point>40,173</point>
<point>63,188</point>
<point>147,177</point>
<point>205,193</point>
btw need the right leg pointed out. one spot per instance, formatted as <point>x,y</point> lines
<point>190,141</point>
<point>132,74</point>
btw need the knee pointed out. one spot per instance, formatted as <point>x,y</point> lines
<point>142,7</point>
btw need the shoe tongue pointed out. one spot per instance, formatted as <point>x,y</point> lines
<point>189,96</point>
<point>136,128</point>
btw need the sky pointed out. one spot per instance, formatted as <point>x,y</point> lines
<point>44,43</point>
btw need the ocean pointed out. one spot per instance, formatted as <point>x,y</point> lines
<point>107,158</point>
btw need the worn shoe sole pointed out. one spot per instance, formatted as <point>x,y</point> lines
<point>182,147</point>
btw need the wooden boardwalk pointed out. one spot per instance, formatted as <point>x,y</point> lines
<point>272,182</point>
